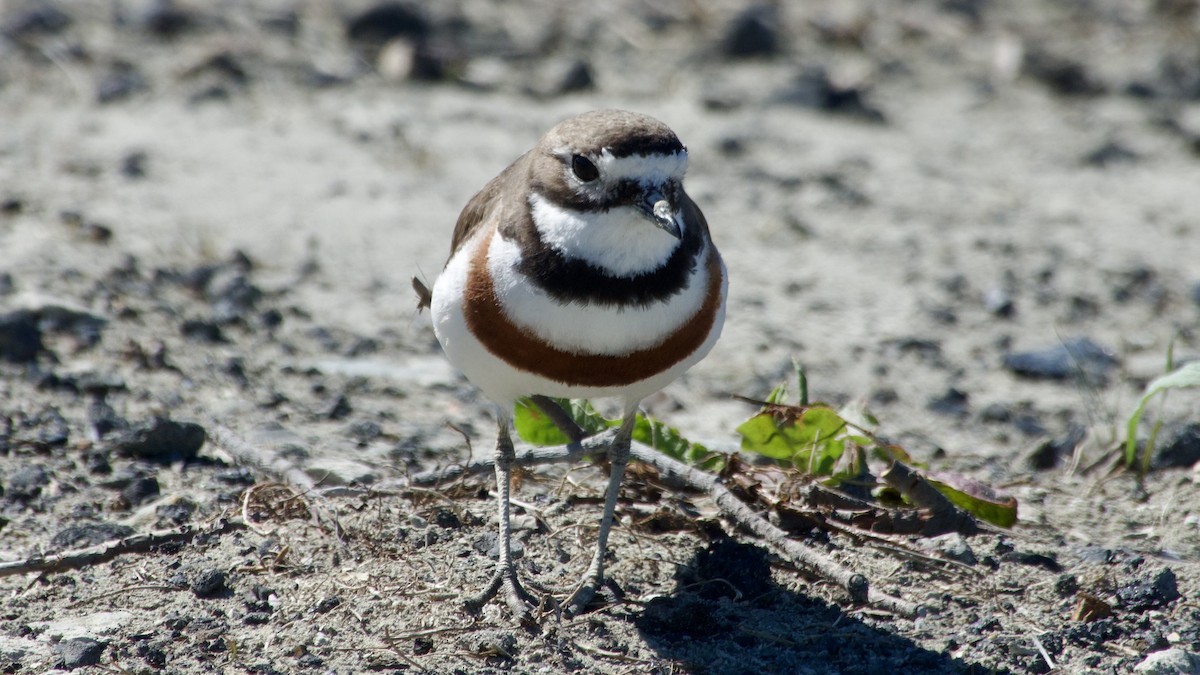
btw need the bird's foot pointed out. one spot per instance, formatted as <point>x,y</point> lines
<point>588,595</point>
<point>520,602</point>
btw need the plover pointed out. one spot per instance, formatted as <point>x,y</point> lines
<point>583,270</point>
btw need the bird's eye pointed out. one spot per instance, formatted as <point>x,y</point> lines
<point>584,169</point>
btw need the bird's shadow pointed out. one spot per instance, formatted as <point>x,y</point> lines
<point>727,616</point>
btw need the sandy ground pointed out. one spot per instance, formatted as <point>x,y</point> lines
<point>213,215</point>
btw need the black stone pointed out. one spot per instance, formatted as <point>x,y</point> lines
<point>446,519</point>
<point>1080,357</point>
<point>27,482</point>
<point>1110,153</point>
<point>202,331</point>
<point>82,536</point>
<point>1149,593</point>
<point>177,513</point>
<point>161,439</point>
<point>1062,75</point>
<point>165,19</point>
<point>1032,559</point>
<point>208,583</point>
<point>388,20</point>
<point>954,402</point>
<point>140,489</point>
<point>121,81</point>
<point>327,604</point>
<point>42,18</point>
<point>754,32</point>
<point>20,336</point>
<point>103,420</point>
<point>79,652</point>
<point>578,77</point>
<point>1048,454</point>
<point>812,88</point>
<point>233,301</point>
<point>1181,451</point>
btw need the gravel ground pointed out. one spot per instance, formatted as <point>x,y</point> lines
<point>210,213</point>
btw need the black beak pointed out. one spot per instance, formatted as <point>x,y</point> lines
<point>661,211</point>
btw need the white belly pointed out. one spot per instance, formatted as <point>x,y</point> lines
<point>581,328</point>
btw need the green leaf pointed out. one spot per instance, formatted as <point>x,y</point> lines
<point>812,441</point>
<point>1186,376</point>
<point>534,427</point>
<point>978,499</point>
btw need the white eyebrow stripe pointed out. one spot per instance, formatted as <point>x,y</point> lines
<point>654,167</point>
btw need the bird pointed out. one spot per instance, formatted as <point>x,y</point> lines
<point>583,270</point>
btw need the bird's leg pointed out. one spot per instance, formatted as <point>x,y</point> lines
<point>515,596</point>
<point>618,456</point>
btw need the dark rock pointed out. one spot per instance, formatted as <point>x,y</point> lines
<point>1066,585</point>
<point>52,429</point>
<point>140,489</point>
<point>754,32</point>
<point>812,88</point>
<point>1032,559</point>
<point>79,652</point>
<point>999,302</point>
<point>1139,283</point>
<point>233,301</point>
<point>165,19</point>
<point>1110,153</point>
<point>1195,293</point>
<point>1149,593</point>
<point>20,336</point>
<point>208,583</point>
<point>446,519</point>
<point>236,476</point>
<point>11,206</point>
<point>1181,451</point>
<point>995,413</point>
<point>119,82</point>
<point>364,431</point>
<point>7,286</point>
<point>327,604</point>
<point>97,463</point>
<point>578,77</point>
<point>1062,75</point>
<point>336,408</point>
<point>953,402</point>
<point>27,482</point>
<point>256,618</point>
<point>177,513</point>
<point>133,165</point>
<point>1080,357</point>
<point>42,18</point>
<point>1048,454</point>
<point>202,331</point>
<point>387,21</point>
<point>726,568</point>
<point>103,420</point>
<point>161,439</point>
<point>83,326</point>
<point>82,536</point>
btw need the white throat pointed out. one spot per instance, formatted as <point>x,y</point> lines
<point>621,241</point>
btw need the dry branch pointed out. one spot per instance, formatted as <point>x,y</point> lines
<point>92,555</point>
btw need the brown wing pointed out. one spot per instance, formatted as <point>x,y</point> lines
<point>485,202</point>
